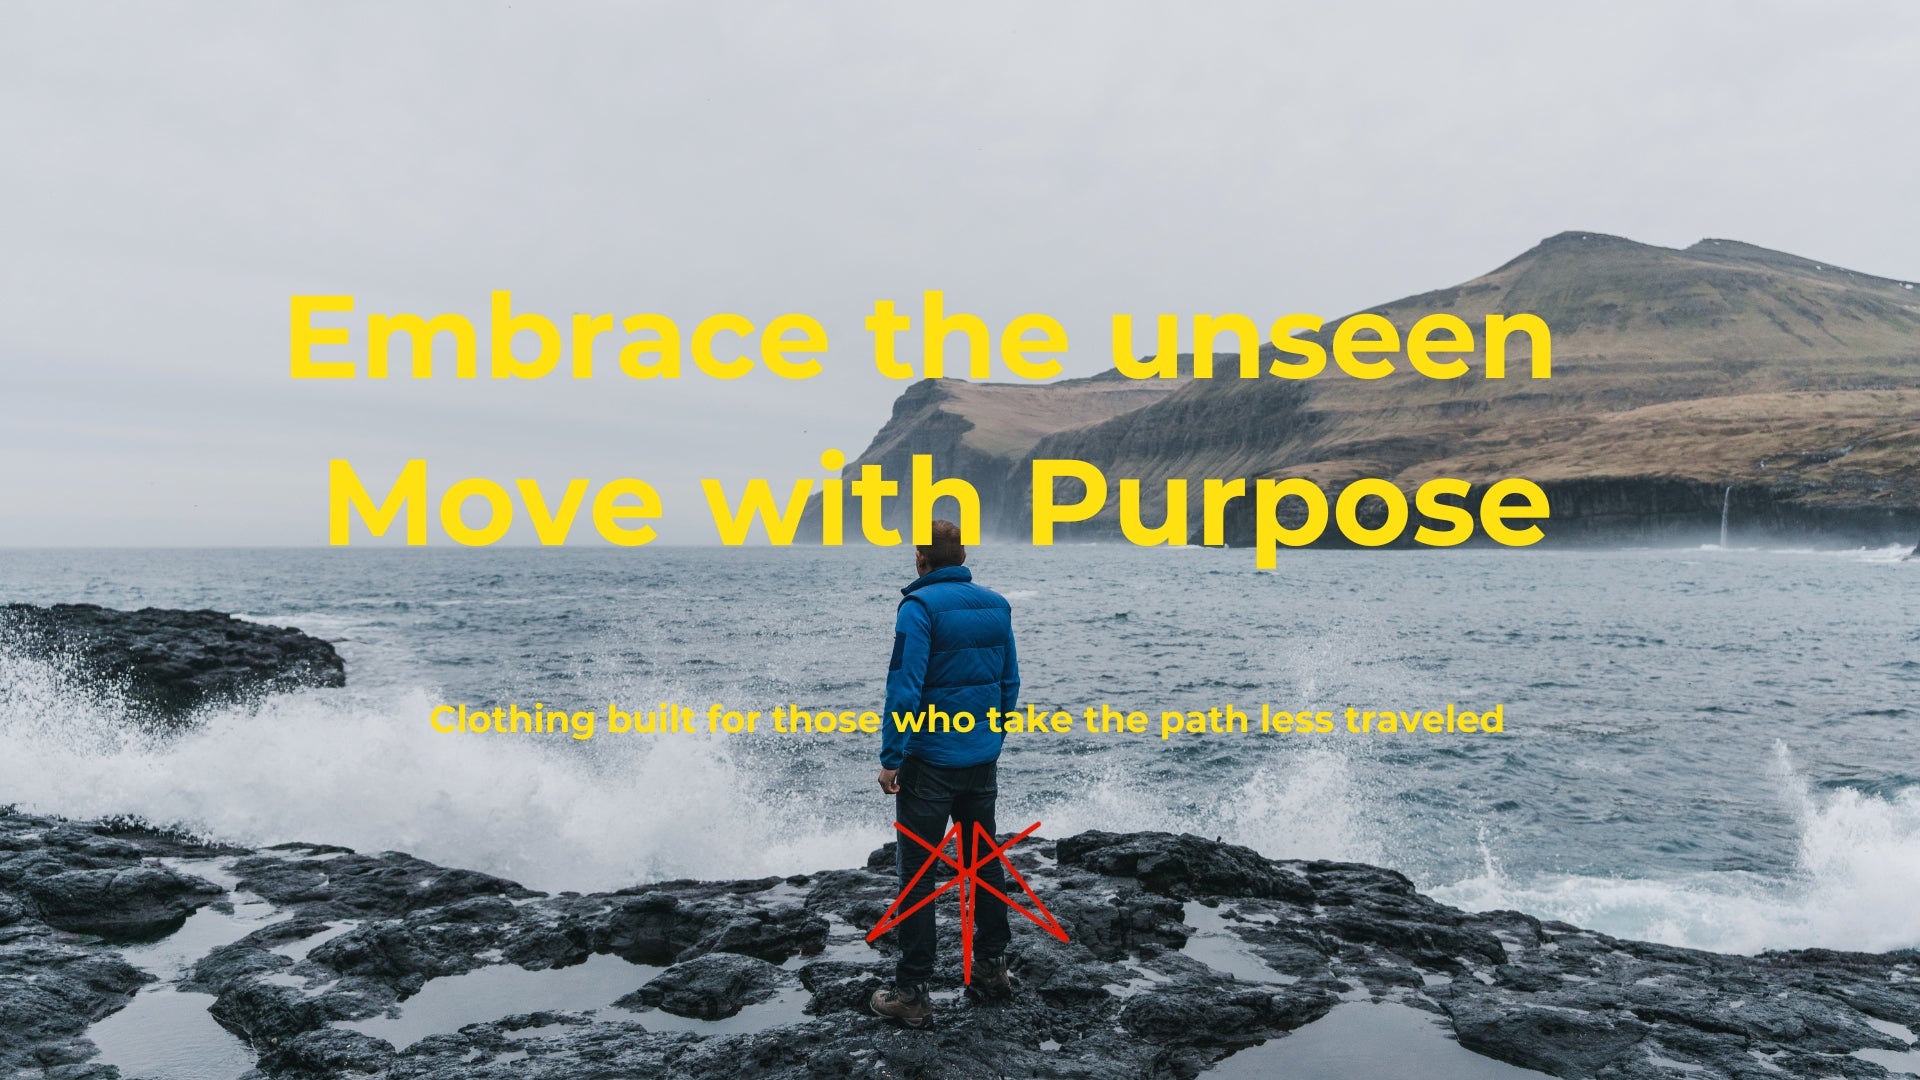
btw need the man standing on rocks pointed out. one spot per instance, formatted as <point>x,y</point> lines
<point>952,651</point>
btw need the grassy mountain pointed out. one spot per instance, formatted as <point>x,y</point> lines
<point>1676,374</point>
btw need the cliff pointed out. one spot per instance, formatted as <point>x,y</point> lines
<point>981,432</point>
<point>1677,374</point>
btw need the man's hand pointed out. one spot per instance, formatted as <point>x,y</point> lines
<point>889,781</point>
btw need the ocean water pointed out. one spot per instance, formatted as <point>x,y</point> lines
<point>1703,747</point>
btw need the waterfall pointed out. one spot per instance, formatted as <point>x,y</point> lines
<point>1726,501</point>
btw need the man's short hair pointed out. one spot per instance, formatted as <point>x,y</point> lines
<point>946,549</point>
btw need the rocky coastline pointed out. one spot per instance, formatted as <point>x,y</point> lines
<point>1183,952</point>
<point>1184,956</point>
<point>163,664</point>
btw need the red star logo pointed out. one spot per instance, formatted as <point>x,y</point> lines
<point>966,879</point>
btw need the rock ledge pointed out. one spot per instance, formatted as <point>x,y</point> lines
<point>767,977</point>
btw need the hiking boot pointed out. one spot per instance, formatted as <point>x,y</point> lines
<point>991,980</point>
<point>908,1004</point>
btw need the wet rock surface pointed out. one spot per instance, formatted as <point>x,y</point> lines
<point>56,977</point>
<point>167,663</point>
<point>710,987</point>
<point>129,903</point>
<point>1182,952</point>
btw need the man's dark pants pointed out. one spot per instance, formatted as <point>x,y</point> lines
<point>929,796</point>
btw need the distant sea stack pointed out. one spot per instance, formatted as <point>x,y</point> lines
<point>167,663</point>
<point>1677,374</point>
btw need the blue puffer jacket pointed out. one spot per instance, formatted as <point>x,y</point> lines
<point>952,648</point>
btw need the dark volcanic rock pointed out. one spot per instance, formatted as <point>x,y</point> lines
<point>327,1052</point>
<point>1126,996</point>
<point>50,991</point>
<point>709,987</point>
<point>679,920</point>
<point>424,945</point>
<point>330,881</point>
<point>132,904</point>
<point>1197,1012</point>
<point>1184,866</point>
<point>839,986</point>
<point>167,663</point>
<point>1556,1040</point>
<point>55,980</point>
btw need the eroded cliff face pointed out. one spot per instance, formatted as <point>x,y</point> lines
<point>1676,375</point>
<point>982,433</point>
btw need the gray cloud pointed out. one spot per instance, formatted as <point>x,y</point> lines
<point>171,174</point>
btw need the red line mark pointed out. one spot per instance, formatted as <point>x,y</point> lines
<point>966,883</point>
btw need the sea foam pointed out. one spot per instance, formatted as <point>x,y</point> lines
<point>1856,873</point>
<point>361,767</point>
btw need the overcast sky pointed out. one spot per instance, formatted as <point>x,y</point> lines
<point>171,174</point>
